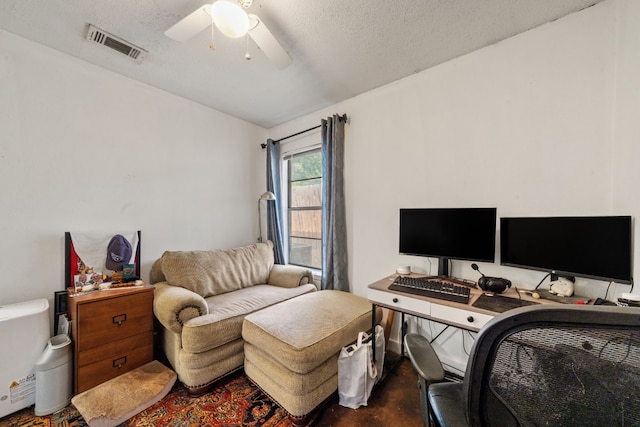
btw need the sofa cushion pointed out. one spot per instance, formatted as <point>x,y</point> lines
<point>227,311</point>
<point>289,276</point>
<point>216,272</point>
<point>155,275</point>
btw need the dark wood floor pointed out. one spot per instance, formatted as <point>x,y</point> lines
<point>394,402</point>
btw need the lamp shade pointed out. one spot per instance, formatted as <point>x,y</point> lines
<point>230,18</point>
<point>268,195</point>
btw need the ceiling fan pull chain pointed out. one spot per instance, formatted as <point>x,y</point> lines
<point>212,45</point>
<point>247,55</point>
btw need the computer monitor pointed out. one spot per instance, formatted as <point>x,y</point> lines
<point>449,233</point>
<point>596,247</point>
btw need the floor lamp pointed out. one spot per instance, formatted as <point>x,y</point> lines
<point>267,195</point>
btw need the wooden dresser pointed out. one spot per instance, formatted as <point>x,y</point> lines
<point>112,333</point>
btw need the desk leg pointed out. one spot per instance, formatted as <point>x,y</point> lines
<point>387,326</point>
<point>403,329</point>
<point>373,330</point>
<point>392,365</point>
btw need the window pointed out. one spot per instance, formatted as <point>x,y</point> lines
<point>304,195</point>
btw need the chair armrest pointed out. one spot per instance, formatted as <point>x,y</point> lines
<point>173,306</point>
<point>289,276</point>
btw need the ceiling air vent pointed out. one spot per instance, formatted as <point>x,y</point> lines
<point>102,37</point>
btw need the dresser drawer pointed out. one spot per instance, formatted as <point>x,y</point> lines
<point>115,349</point>
<point>466,319</point>
<point>107,361</point>
<point>113,319</point>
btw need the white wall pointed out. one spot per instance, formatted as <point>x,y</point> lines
<point>626,165</point>
<point>84,149</point>
<point>525,125</point>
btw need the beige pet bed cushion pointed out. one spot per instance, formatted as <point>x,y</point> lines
<point>115,401</point>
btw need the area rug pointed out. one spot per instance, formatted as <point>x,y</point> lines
<point>235,402</point>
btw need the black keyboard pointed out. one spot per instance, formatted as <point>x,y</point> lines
<point>431,288</point>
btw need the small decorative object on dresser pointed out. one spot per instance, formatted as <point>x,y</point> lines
<point>89,255</point>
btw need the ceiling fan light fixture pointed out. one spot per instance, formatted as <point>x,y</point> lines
<point>230,18</point>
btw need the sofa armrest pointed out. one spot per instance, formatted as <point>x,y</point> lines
<point>289,276</point>
<point>173,306</point>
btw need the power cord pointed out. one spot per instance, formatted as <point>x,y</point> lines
<point>463,345</point>
<point>606,294</point>
<point>548,274</point>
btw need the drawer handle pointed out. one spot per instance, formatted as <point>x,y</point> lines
<point>119,362</point>
<point>119,319</point>
<point>395,300</point>
<point>470,319</point>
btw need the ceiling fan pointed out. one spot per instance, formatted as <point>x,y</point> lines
<point>230,18</point>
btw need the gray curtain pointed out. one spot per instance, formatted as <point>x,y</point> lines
<point>334,227</point>
<point>274,220</point>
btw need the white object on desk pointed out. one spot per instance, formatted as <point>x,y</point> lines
<point>562,286</point>
<point>630,297</point>
<point>403,269</point>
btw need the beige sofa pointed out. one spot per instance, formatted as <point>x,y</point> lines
<point>201,299</point>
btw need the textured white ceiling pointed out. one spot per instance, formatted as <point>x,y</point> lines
<point>339,48</point>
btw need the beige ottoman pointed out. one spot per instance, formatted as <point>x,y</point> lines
<point>291,348</point>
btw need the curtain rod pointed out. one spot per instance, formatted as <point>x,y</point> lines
<point>340,118</point>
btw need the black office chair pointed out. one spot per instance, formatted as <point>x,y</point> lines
<point>548,365</point>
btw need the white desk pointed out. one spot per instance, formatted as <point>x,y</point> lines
<point>459,315</point>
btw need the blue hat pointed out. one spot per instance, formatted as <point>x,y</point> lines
<point>118,253</point>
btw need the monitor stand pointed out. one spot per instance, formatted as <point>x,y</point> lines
<point>443,274</point>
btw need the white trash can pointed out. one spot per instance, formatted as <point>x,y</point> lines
<point>54,373</point>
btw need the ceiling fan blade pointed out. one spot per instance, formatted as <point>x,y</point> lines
<point>268,44</point>
<point>190,25</point>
